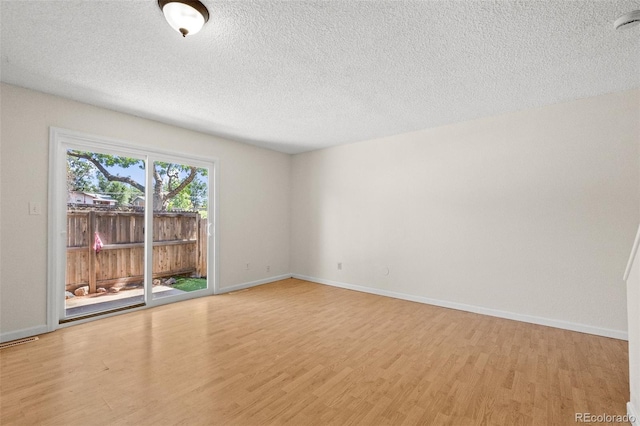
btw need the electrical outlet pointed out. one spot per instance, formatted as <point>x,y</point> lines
<point>339,266</point>
<point>35,208</point>
<point>246,267</point>
<point>268,268</point>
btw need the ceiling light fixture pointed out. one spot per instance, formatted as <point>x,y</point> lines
<point>184,16</point>
<point>627,20</point>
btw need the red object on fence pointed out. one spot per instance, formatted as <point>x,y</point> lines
<point>97,243</point>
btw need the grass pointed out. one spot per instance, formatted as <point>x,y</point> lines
<point>190,284</point>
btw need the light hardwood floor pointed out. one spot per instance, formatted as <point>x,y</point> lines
<point>300,353</point>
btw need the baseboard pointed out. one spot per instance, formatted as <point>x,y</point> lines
<point>253,283</point>
<point>582,328</point>
<point>615,334</point>
<point>632,414</point>
<point>21,334</point>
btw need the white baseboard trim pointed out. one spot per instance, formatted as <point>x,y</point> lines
<point>615,334</point>
<point>632,414</point>
<point>582,328</point>
<point>25,332</point>
<point>253,283</point>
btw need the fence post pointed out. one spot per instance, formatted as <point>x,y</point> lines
<point>93,258</point>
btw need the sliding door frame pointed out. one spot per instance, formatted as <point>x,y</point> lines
<point>60,140</point>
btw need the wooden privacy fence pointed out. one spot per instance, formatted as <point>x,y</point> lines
<point>179,247</point>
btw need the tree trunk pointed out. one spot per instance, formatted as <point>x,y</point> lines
<point>159,203</point>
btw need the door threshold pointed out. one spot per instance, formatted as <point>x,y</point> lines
<point>97,314</point>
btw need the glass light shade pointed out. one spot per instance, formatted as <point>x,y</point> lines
<point>628,20</point>
<point>183,17</point>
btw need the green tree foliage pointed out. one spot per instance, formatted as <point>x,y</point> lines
<point>181,201</point>
<point>80,175</point>
<point>119,191</point>
<point>175,186</point>
<point>198,194</point>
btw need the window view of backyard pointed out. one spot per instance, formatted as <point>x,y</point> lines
<point>106,228</point>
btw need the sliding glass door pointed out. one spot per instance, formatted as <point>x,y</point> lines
<point>180,229</point>
<point>105,232</point>
<point>129,227</point>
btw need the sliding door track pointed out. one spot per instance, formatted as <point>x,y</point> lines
<point>98,314</point>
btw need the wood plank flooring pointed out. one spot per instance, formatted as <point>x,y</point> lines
<point>294,352</point>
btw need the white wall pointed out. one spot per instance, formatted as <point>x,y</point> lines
<point>633,308</point>
<point>527,215</point>
<point>633,311</point>
<point>254,196</point>
<point>530,213</point>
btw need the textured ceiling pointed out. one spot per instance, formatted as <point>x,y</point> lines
<point>302,75</point>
